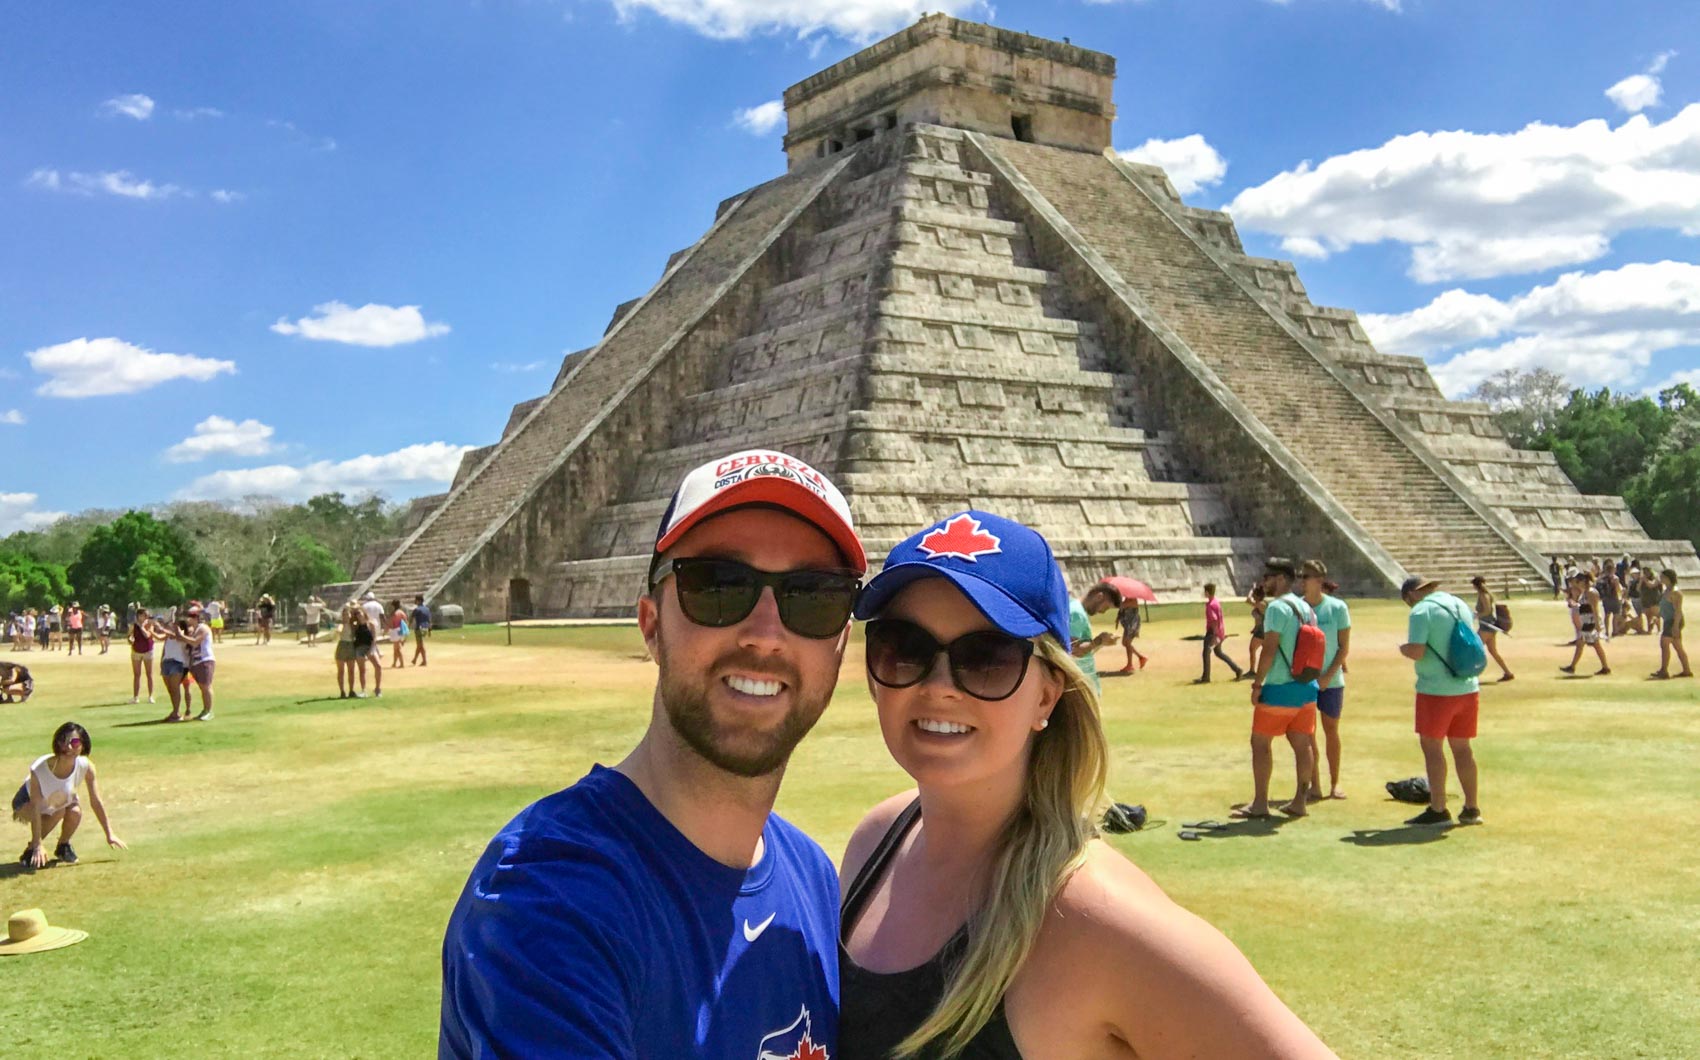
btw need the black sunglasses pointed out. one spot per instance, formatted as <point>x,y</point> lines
<point>723,592</point>
<point>986,665</point>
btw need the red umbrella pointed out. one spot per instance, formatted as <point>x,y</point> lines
<point>1129,588</point>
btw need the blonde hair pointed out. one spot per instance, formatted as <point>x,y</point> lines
<point>1041,848</point>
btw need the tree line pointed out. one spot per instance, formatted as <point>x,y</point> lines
<point>193,550</point>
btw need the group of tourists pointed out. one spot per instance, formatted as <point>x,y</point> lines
<point>53,628</point>
<point>364,627</point>
<point>1608,599</point>
<point>185,638</point>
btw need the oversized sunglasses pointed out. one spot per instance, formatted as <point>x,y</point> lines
<point>723,592</point>
<point>986,665</point>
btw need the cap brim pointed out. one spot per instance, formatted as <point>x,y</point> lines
<point>781,493</point>
<point>999,607</point>
<point>51,939</point>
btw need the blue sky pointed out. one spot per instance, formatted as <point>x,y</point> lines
<point>283,248</point>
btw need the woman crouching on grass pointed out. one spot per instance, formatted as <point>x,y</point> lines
<point>982,917</point>
<point>48,797</point>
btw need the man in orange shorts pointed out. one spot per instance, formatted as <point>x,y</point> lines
<point>1280,705</point>
<point>1446,701</point>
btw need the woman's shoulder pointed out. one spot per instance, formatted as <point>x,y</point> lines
<point>1110,912</point>
<point>870,831</point>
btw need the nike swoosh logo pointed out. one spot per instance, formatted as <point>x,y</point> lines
<point>753,933</point>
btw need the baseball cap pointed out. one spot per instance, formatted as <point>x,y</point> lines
<point>1280,565</point>
<point>1006,570</point>
<point>1416,582</point>
<point>764,477</point>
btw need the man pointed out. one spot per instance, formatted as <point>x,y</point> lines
<point>375,615</point>
<point>1335,618</point>
<point>1082,644</point>
<point>659,909</point>
<point>311,612</point>
<point>1554,573</point>
<point>1281,704</point>
<point>1447,702</point>
<point>1215,632</point>
<point>421,628</point>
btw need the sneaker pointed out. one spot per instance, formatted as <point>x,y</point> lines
<point>132,699</point>
<point>1469,815</point>
<point>24,858</point>
<point>379,694</point>
<point>150,699</point>
<point>1567,669</point>
<point>205,715</point>
<point>1602,671</point>
<point>1432,816</point>
<point>65,854</point>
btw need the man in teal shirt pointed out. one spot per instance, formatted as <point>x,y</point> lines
<point>1281,706</point>
<point>1336,622</point>
<point>1446,702</point>
<point>1083,645</point>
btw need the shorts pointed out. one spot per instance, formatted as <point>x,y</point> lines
<point>1279,721</point>
<point>203,672</point>
<point>345,651</point>
<point>172,668</point>
<point>22,798</point>
<point>134,654</point>
<point>217,623</point>
<point>1331,701</point>
<point>1129,621</point>
<point>1447,717</point>
<point>1589,636</point>
<point>312,629</point>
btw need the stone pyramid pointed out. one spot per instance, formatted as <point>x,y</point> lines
<point>959,296</point>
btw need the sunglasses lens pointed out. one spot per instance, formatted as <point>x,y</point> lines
<point>899,653</point>
<point>816,604</point>
<point>989,665</point>
<point>716,592</point>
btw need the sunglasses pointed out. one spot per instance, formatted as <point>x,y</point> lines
<point>986,665</point>
<point>75,741</point>
<point>722,592</point>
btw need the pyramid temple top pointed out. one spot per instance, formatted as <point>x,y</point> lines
<point>945,71</point>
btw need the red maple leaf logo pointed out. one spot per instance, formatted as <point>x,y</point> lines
<point>961,537</point>
<point>808,1050</point>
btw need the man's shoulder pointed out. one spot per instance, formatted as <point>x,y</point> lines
<point>798,848</point>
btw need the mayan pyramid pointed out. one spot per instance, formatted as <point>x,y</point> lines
<point>959,296</point>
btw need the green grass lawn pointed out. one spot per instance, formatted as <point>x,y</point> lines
<point>292,863</point>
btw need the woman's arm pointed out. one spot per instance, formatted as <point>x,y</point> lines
<point>36,799</point>
<point>100,810</point>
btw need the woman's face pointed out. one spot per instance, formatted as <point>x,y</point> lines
<point>998,733</point>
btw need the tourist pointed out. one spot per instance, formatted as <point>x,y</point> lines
<point>16,684</point>
<point>213,613</point>
<point>1611,610</point>
<point>1590,630</point>
<point>346,659</point>
<point>421,628</point>
<point>397,632</point>
<point>195,641</point>
<point>619,918</point>
<point>1652,593</point>
<point>1083,646</point>
<point>26,629</point>
<point>1447,702</point>
<point>374,612</point>
<point>1215,633</point>
<point>1282,705</point>
<point>1335,620</point>
<point>74,628</point>
<point>1101,598</point>
<point>47,629</point>
<point>311,612</point>
<point>265,613</point>
<point>1487,624</point>
<point>980,905</point>
<point>141,637</point>
<point>1554,572</point>
<point>1259,605</point>
<point>174,665</point>
<point>103,625</point>
<point>1573,600</point>
<point>1671,626</point>
<point>48,797</point>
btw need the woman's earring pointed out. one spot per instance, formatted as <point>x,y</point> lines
<point>1043,722</point>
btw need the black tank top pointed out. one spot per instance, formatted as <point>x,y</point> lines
<point>876,1011</point>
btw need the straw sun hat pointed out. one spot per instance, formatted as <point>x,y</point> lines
<point>28,932</point>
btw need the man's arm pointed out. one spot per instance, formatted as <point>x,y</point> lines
<point>1343,646</point>
<point>1416,637</point>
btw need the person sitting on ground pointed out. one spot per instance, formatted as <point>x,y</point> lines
<point>16,684</point>
<point>1671,625</point>
<point>983,916</point>
<point>421,628</point>
<point>1282,705</point>
<point>1447,702</point>
<point>1589,629</point>
<point>1215,632</point>
<point>48,797</point>
<point>1487,624</point>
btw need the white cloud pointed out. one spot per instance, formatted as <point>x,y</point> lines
<point>1691,377</point>
<point>225,195</point>
<point>1490,204</point>
<point>370,325</point>
<point>1191,163</point>
<point>120,182</point>
<point>18,512</point>
<point>197,113</point>
<point>857,20</point>
<point>1637,92</point>
<point>762,118</point>
<point>13,418</point>
<point>98,367</point>
<point>511,368</point>
<point>217,436</point>
<point>413,470</point>
<point>302,137</point>
<point>1595,329</point>
<point>135,105</point>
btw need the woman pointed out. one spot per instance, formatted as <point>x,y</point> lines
<point>1589,632</point>
<point>197,640</point>
<point>347,661</point>
<point>398,634</point>
<point>1671,622</point>
<point>1487,624</point>
<point>142,633</point>
<point>48,797</point>
<point>1259,605</point>
<point>265,612</point>
<point>174,665</point>
<point>103,627</point>
<point>983,918</point>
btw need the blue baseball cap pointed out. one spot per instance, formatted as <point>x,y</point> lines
<point>1006,569</point>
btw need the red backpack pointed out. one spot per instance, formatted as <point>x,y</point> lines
<point>1309,647</point>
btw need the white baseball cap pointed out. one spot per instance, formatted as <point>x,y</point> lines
<point>762,476</point>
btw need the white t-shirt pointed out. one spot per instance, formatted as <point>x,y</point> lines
<point>201,644</point>
<point>172,650</point>
<point>212,610</point>
<point>374,611</point>
<point>313,611</point>
<point>57,792</point>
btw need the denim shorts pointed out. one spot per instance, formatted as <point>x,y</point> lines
<point>172,668</point>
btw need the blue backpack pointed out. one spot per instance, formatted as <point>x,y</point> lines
<point>1465,654</point>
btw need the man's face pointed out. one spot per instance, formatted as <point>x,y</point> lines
<point>743,696</point>
<point>1271,584</point>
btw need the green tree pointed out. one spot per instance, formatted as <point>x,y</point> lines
<point>1602,440</point>
<point>1666,497</point>
<point>139,557</point>
<point>303,566</point>
<point>1524,403</point>
<point>25,582</point>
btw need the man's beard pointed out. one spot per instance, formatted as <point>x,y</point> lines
<point>741,751</point>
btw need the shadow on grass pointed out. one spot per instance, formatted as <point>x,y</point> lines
<point>1403,836</point>
<point>13,869</point>
<point>145,724</point>
<point>1236,828</point>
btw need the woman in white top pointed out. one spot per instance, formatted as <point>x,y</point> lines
<point>48,797</point>
<point>195,640</point>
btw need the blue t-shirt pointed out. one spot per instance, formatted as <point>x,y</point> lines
<point>1333,616</point>
<point>421,616</point>
<point>592,928</point>
<point>1080,628</point>
<point>1284,617</point>
<point>1432,619</point>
